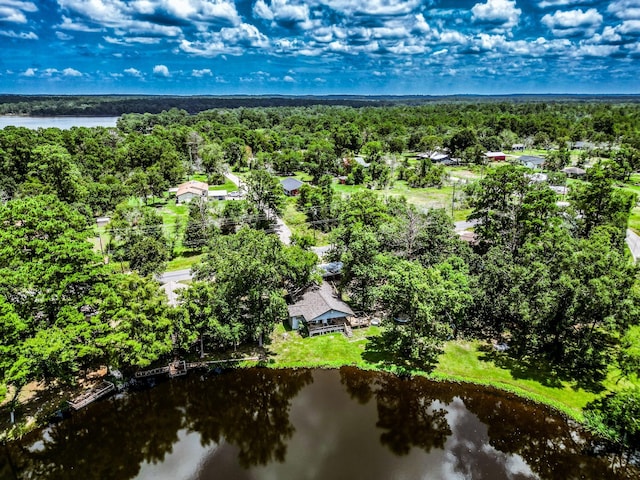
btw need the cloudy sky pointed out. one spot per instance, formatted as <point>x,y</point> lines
<point>319,46</point>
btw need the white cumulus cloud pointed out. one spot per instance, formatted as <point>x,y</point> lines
<point>372,7</point>
<point>29,72</point>
<point>501,13</point>
<point>558,3</point>
<point>134,72</point>
<point>625,9</point>
<point>63,36</point>
<point>161,71</point>
<point>205,72</point>
<point>20,35</point>
<point>573,23</point>
<point>149,17</point>
<point>284,12</point>
<point>71,72</point>
<point>14,10</point>
<point>630,27</point>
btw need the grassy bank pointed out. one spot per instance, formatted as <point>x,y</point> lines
<point>462,361</point>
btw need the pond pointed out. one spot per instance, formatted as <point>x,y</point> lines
<point>63,123</point>
<point>262,423</point>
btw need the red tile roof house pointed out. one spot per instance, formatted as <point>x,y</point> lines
<point>190,190</point>
<point>320,311</point>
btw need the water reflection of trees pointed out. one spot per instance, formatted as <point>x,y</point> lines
<point>110,439</point>
<point>250,411</point>
<point>409,412</point>
<point>413,413</point>
<point>552,446</point>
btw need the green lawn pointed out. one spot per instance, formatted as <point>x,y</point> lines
<point>467,361</point>
<point>228,185</point>
<point>289,349</point>
<point>421,197</point>
<point>296,221</point>
<point>184,261</point>
<point>477,363</point>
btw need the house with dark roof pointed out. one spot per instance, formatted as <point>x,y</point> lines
<point>320,310</point>
<point>532,162</point>
<point>583,145</point>
<point>291,186</point>
<point>574,172</point>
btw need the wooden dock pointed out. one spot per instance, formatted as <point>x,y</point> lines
<point>152,372</point>
<point>180,367</point>
<point>92,395</point>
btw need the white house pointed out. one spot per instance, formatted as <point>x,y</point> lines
<point>190,190</point>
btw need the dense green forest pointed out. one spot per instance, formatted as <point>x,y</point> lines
<point>115,105</point>
<point>553,281</point>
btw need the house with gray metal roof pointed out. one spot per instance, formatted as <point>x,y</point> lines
<point>532,162</point>
<point>291,186</point>
<point>320,310</point>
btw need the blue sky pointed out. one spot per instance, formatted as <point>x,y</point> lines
<point>319,46</point>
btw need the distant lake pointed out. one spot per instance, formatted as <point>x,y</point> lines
<point>264,424</point>
<point>63,123</point>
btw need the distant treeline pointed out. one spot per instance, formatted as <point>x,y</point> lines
<point>115,105</point>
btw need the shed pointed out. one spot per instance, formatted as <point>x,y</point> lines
<point>102,221</point>
<point>439,157</point>
<point>518,147</point>
<point>495,156</point>
<point>574,171</point>
<point>291,186</point>
<point>218,194</point>
<point>318,305</point>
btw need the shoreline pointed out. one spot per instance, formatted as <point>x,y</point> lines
<point>45,411</point>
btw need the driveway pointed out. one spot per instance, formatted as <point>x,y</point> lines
<point>633,242</point>
<point>281,229</point>
<point>175,276</point>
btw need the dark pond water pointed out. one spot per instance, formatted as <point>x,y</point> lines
<point>304,424</point>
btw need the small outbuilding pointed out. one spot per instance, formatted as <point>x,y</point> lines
<point>518,147</point>
<point>495,156</point>
<point>574,172</point>
<point>291,186</point>
<point>218,194</point>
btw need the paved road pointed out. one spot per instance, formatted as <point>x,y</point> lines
<point>633,242</point>
<point>464,225</point>
<point>175,276</point>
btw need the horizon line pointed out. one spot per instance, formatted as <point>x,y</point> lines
<point>321,95</point>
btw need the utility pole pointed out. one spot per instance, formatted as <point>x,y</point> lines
<point>453,199</point>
